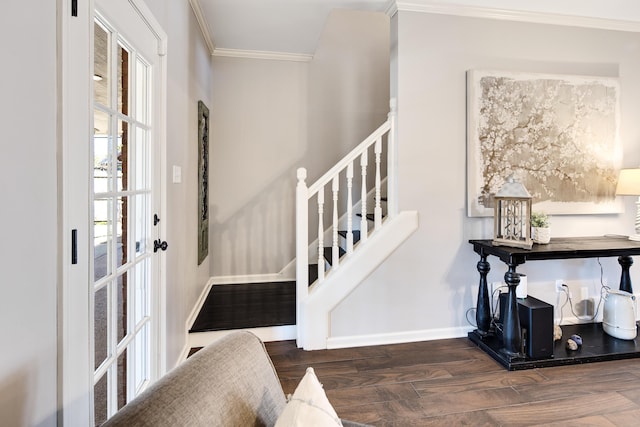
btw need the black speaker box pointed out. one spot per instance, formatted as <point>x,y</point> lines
<point>536,321</point>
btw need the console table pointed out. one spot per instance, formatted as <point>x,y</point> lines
<point>509,352</point>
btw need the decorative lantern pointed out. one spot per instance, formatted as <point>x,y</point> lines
<point>512,216</point>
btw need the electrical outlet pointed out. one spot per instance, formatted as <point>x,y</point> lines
<point>559,283</point>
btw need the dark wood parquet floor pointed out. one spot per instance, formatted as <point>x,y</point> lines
<point>453,383</point>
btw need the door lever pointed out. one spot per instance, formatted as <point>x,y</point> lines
<point>159,244</point>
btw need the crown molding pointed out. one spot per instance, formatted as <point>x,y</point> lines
<point>436,7</point>
<point>391,8</point>
<point>202,23</point>
<point>259,54</point>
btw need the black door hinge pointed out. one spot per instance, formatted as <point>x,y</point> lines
<point>74,246</point>
<point>74,7</point>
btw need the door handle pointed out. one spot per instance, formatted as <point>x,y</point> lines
<point>159,244</point>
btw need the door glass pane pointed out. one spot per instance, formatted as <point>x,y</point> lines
<point>141,297</point>
<point>122,379</point>
<point>101,325</point>
<point>100,400</point>
<point>123,80</point>
<point>123,156</point>
<point>101,150</point>
<point>141,154</point>
<point>102,237</point>
<point>142,94</point>
<point>142,216</point>
<point>121,298</point>
<point>122,230</point>
<point>141,357</point>
<point>101,64</point>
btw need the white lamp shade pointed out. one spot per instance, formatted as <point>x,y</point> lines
<point>628,182</point>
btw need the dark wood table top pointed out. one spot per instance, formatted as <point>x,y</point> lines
<point>561,248</point>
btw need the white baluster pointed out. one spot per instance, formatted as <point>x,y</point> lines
<point>392,191</point>
<point>364,227</point>
<point>377,212</point>
<point>335,252</point>
<point>349,209</point>
<point>320,235</point>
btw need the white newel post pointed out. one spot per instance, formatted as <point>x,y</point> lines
<point>364,227</point>
<point>392,189</point>
<point>349,209</point>
<point>335,251</point>
<point>302,252</point>
<point>377,211</point>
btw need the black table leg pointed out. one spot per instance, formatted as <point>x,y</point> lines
<point>511,332</point>
<point>483,308</point>
<point>625,262</point>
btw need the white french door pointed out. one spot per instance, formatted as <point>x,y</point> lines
<point>124,340</point>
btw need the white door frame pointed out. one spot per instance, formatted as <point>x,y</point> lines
<point>75,68</point>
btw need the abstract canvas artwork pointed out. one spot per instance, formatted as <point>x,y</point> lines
<point>203,182</point>
<point>557,134</point>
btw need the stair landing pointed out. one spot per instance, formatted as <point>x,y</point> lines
<point>247,305</point>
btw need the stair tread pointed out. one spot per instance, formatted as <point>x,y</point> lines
<point>356,234</point>
<point>328,253</point>
<point>370,217</point>
<point>313,273</point>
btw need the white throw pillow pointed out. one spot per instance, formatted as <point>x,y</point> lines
<point>308,406</point>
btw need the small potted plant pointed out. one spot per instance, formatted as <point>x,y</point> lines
<point>540,231</point>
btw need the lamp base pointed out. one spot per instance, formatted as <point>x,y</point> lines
<point>635,237</point>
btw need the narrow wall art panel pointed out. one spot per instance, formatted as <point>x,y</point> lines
<point>203,182</point>
<point>558,134</point>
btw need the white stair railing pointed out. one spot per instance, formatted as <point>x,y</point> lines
<point>382,139</point>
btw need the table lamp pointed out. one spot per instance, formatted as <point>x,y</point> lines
<point>629,185</point>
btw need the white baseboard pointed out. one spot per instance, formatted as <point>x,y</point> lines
<point>251,278</point>
<point>397,337</point>
<point>199,303</point>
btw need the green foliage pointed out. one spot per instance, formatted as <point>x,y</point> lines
<point>539,219</point>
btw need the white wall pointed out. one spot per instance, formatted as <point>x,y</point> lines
<point>28,214</point>
<point>348,87</point>
<point>270,117</point>
<point>258,133</point>
<point>189,71</point>
<point>429,283</point>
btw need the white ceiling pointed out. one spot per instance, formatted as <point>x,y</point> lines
<point>289,26</point>
<point>294,26</point>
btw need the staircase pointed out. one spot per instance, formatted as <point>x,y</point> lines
<point>358,241</point>
<point>360,235</point>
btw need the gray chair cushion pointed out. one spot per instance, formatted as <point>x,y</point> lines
<point>231,382</point>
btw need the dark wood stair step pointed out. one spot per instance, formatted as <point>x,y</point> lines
<point>356,235</point>
<point>247,305</point>
<point>370,217</point>
<point>328,253</point>
<point>313,273</point>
